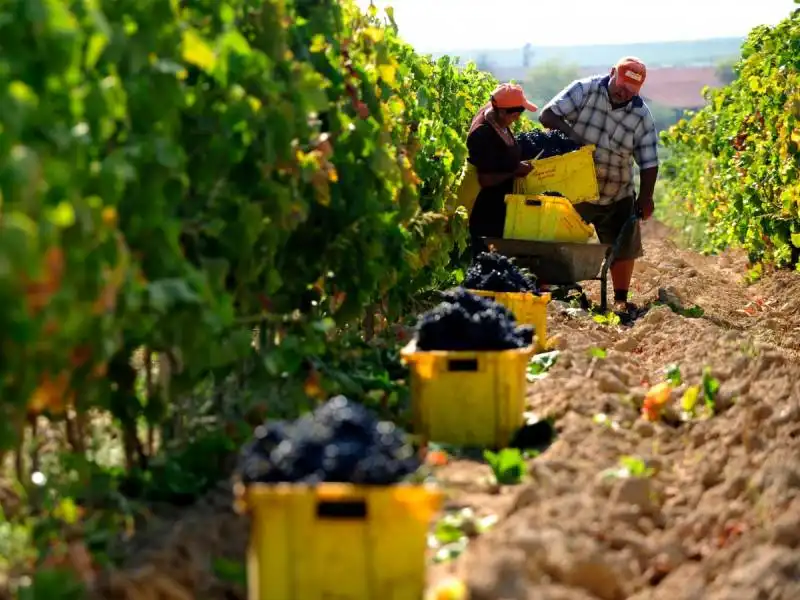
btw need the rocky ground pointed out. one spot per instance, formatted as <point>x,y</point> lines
<point>708,509</point>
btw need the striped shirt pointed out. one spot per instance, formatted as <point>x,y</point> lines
<point>621,135</point>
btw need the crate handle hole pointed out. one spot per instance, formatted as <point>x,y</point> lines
<point>532,202</point>
<point>342,509</point>
<point>462,364</point>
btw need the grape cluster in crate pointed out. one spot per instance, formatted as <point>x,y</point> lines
<point>546,143</point>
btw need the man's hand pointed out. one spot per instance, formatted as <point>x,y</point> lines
<point>646,207</point>
<point>523,169</point>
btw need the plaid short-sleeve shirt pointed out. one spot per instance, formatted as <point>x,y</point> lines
<point>621,135</point>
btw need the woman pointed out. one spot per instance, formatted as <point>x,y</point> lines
<point>495,156</point>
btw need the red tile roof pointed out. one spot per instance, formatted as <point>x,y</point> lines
<point>675,87</point>
<point>672,87</point>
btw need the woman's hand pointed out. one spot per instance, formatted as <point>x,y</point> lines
<point>523,169</point>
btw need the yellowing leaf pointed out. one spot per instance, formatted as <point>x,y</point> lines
<point>52,394</point>
<point>387,73</point>
<point>63,215</point>
<point>311,386</point>
<point>658,395</point>
<point>690,397</point>
<point>20,92</point>
<point>374,34</point>
<point>109,216</point>
<point>318,43</point>
<point>449,589</point>
<point>196,51</point>
<point>67,511</point>
<point>396,106</point>
<point>255,103</point>
<point>94,49</point>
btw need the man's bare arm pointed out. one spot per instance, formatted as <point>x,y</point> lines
<point>551,120</point>
<point>647,183</point>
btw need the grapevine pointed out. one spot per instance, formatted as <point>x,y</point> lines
<point>734,165</point>
<point>173,174</point>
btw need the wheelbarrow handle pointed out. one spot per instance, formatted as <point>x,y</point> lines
<point>636,214</point>
<point>630,223</point>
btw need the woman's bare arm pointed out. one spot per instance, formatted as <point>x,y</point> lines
<point>491,179</point>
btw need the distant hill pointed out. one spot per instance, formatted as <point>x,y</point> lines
<point>655,54</point>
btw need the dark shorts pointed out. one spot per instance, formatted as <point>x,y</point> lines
<point>608,222</point>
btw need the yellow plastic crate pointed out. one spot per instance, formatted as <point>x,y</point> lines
<point>572,174</point>
<point>337,541</point>
<point>544,219</point>
<point>467,398</point>
<point>528,309</point>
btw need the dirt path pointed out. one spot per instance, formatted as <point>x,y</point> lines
<point>718,518</point>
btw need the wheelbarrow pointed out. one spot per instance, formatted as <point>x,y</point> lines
<point>565,264</point>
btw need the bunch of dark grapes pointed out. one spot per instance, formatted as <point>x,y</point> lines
<point>493,272</point>
<point>550,142</point>
<point>341,441</point>
<point>464,321</point>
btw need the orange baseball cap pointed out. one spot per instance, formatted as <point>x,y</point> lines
<point>510,95</point>
<point>631,73</point>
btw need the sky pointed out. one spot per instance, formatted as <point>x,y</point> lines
<point>445,25</point>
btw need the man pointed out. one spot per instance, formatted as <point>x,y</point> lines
<point>607,111</point>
